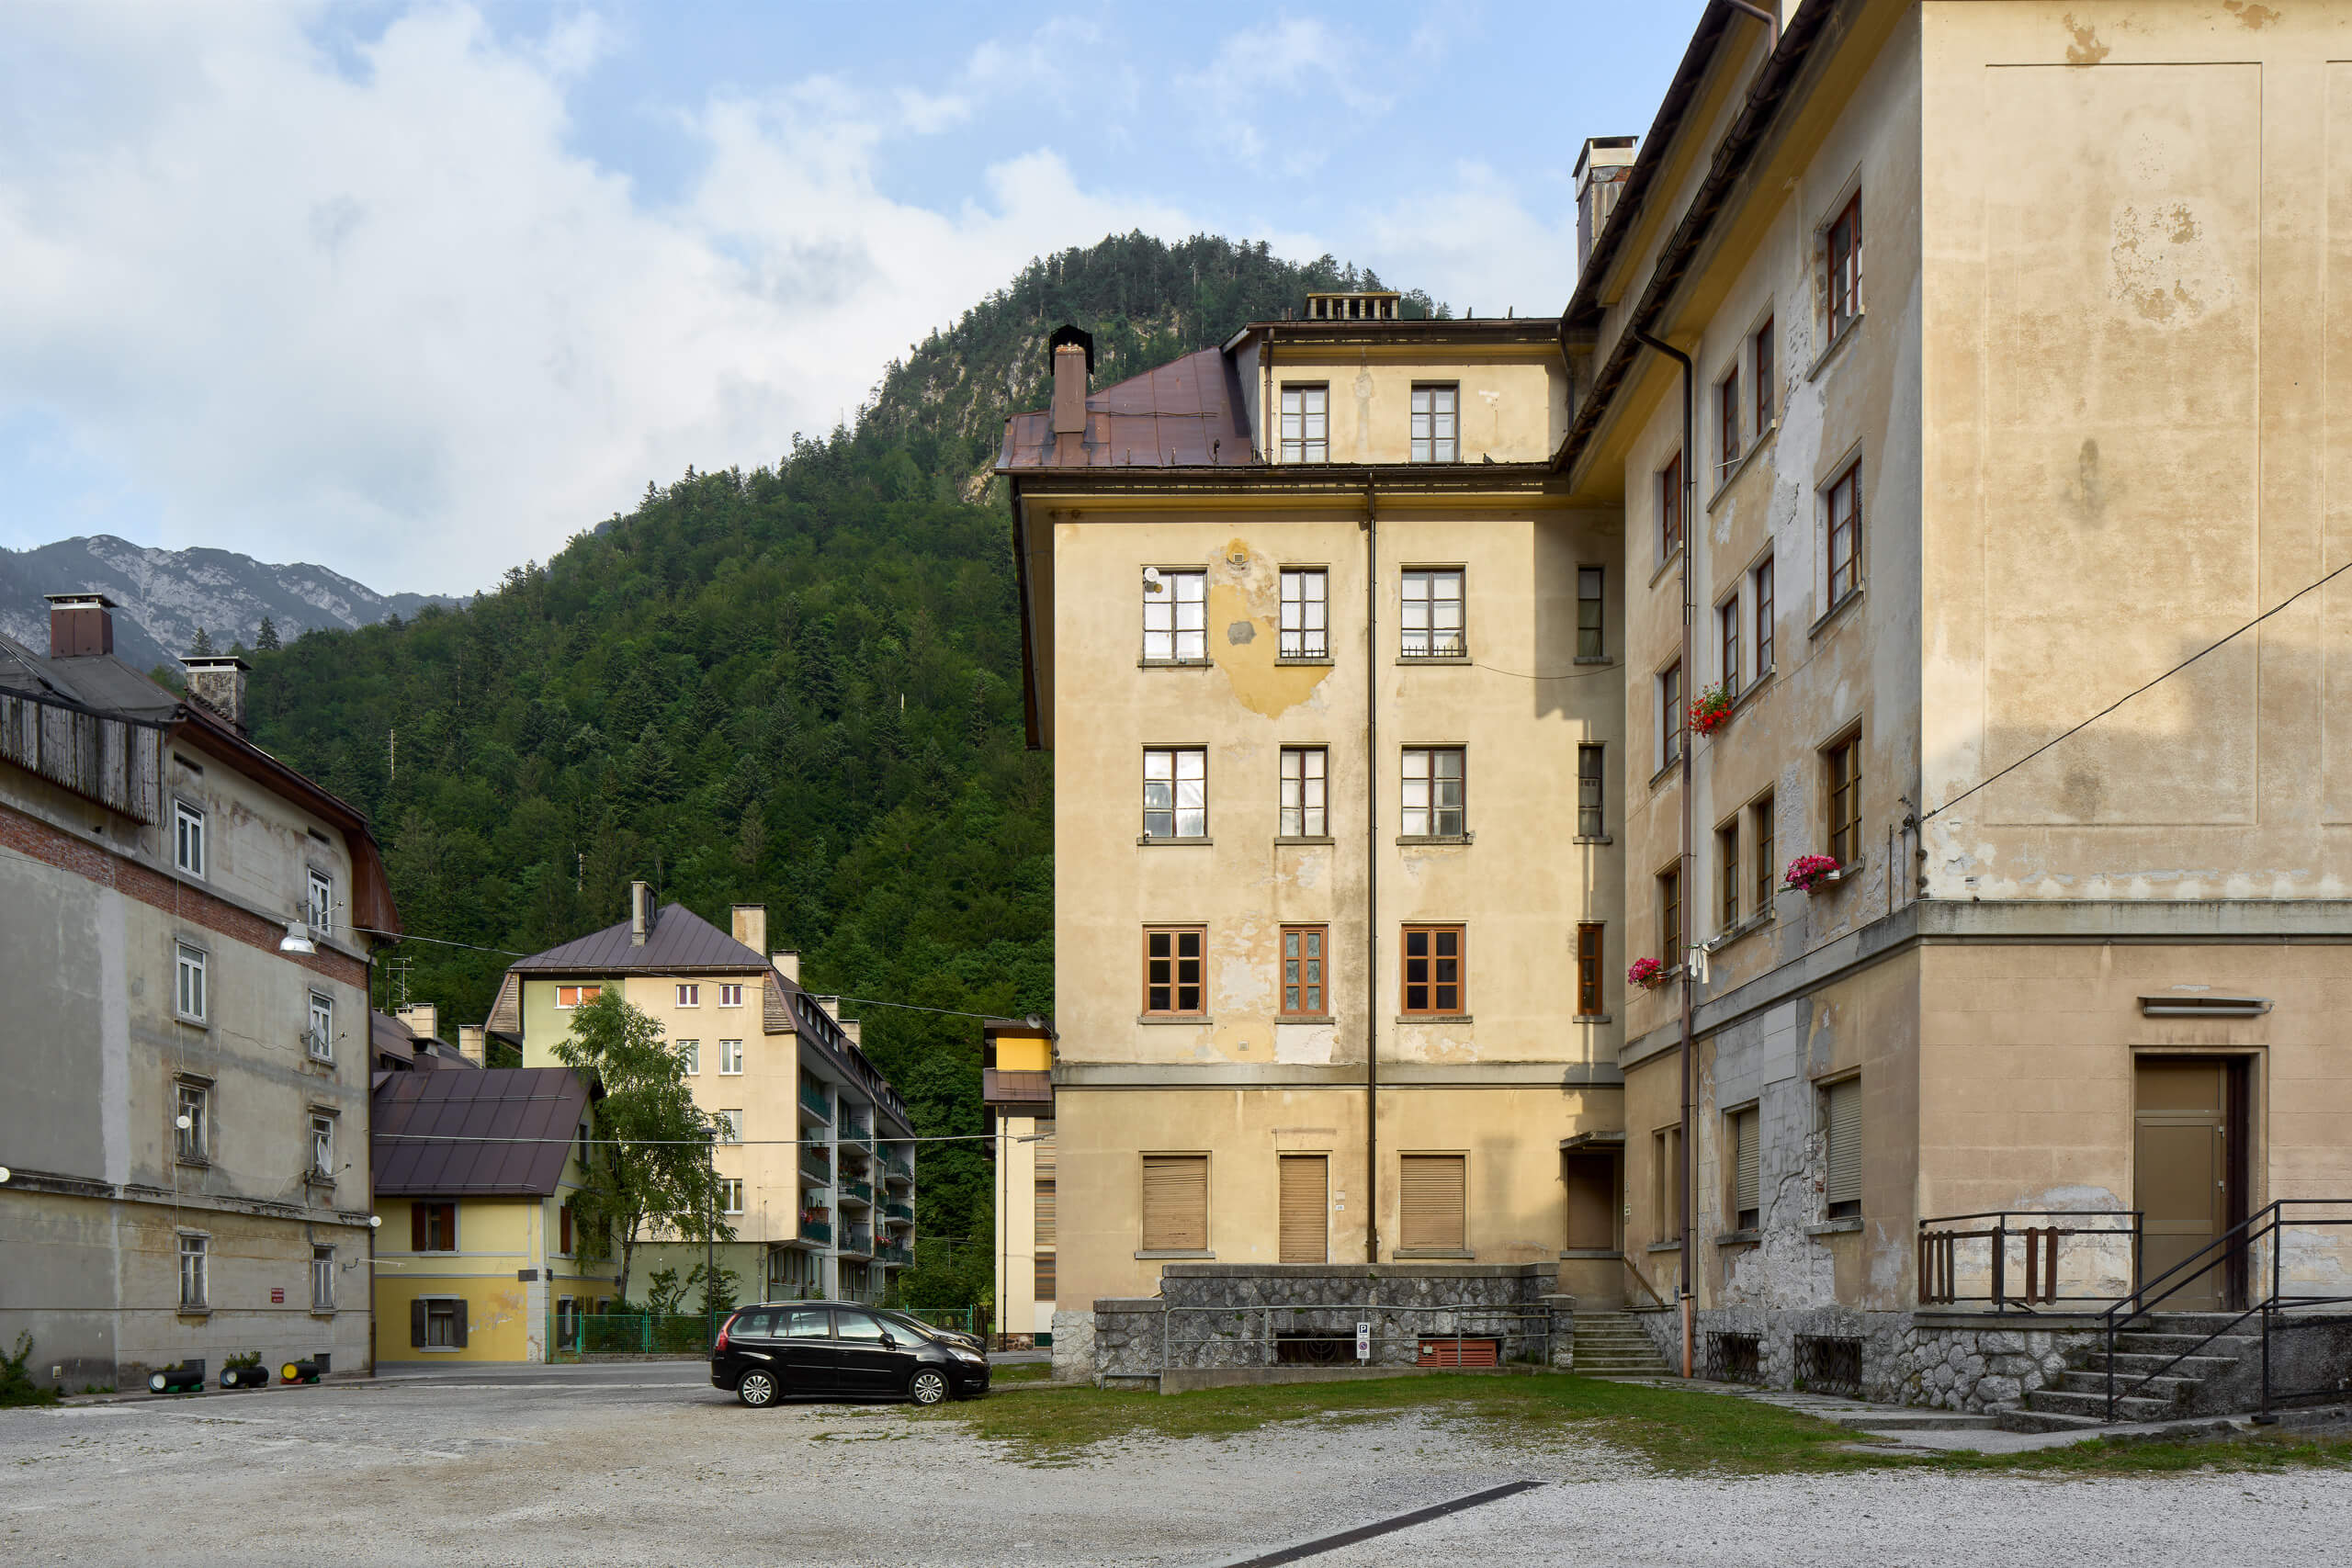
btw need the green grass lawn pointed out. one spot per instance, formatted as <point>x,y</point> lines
<point>1672,1430</point>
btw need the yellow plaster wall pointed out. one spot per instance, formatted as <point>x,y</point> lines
<point>1511,403</point>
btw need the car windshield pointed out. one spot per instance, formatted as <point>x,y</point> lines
<point>912,1324</point>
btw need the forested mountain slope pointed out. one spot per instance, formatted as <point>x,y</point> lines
<point>798,686</point>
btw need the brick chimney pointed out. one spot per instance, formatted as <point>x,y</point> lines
<point>752,926</point>
<point>218,680</point>
<point>1600,173</point>
<point>1073,365</point>
<point>470,1046</point>
<point>640,912</point>
<point>80,624</point>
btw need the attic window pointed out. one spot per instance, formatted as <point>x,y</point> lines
<point>2178,1004</point>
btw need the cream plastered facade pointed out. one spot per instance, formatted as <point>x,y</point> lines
<point>2093,398</point>
<point>500,1240</point>
<point>1509,399</point>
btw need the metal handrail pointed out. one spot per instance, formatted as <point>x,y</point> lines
<point>1935,1254</point>
<point>1641,1279</point>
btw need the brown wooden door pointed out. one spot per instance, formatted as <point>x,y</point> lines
<point>2181,1162</point>
<point>1305,1209</point>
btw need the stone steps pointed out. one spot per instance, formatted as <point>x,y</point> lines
<point>2152,1360</point>
<point>1613,1345</point>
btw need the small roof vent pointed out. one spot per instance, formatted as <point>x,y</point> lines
<point>1375,306</point>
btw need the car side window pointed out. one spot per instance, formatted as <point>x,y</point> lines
<point>755,1325</point>
<point>858,1325</point>
<point>804,1323</point>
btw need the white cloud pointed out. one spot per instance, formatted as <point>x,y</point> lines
<point>1479,241</point>
<point>377,305</point>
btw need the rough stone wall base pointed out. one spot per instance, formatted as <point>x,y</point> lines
<point>1939,1362</point>
<point>1073,1346</point>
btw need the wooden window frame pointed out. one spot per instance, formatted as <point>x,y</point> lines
<point>1302,808</point>
<point>189,845</point>
<point>1727,873</point>
<point>689,995</point>
<point>191,1002</point>
<point>1842,519</point>
<point>1436,641</point>
<point>1592,942</point>
<point>192,1145</point>
<point>196,1272</point>
<point>1296,992</point>
<point>422,1226</point>
<point>322,1291</point>
<point>1592,789</point>
<point>1842,795</point>
<point>1670,520</point>
<point>1759,813</point>
<point>1728,633</point>
<point>730,1061</point>
<point>730,996</point>
<point>1430,984</point>
<point>730,1194</point>
<point>1438,820</point>
<point>1165,594</point>
<point>1760,577</point>
<point>1728,449</point>
<point>1842,249</point>
<point>1592,639</point>
<point>1297,638</point>
<point>1426,445</point>
<point>1175,957</point>
<point>1305,447</point>
<point>1670,915</point>
<point>1761,350</point>
<point>318,901</point>
<point>1674,718</point>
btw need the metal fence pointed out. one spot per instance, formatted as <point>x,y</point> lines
<point>630,1334</point>
<point>1829,1363</point>
<point>1734,1358</point>
<point>2015,1260</point>
<point>964,1317</point>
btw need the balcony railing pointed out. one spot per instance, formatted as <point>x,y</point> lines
<point>895,1171</point>
<point>891,1252</point>
<point>817,1169</point>
<point>813,1101</point>
<point>856,1191</point>
<point>817,1227</point>
<point>2015,1261</point>
<point>858,1240</point>
<point>899,1211</point>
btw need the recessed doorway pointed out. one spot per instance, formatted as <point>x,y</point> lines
<point>2190,1158</point>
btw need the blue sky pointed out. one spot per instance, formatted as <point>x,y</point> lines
<point>419,291</point>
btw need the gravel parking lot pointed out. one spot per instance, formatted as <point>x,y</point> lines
<point>647,1463</point>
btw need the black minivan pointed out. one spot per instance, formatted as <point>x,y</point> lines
<point>841,1350</point>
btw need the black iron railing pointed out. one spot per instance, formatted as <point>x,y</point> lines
<point>2261,1237</point>
<point>2032,1240</point>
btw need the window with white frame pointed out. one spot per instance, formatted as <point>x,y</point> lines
<point>322,1145</point>
<point>1435,420</point>
<point>318,1038</point>
<point>1175,616</point>
<point>322,1278</point>
<point>1305,613</point>
<point>689,1055</point>
<point>187,996</point>
<point>569,996</point>
<point>1432,616</point>
<point>730,1126</point>
<point>1303,784</point>
<point>195,1273</point>
<point>1671,717</point>
<point>1175,793</point>
<point>192,1122</point>
<point>1306,424</point>
<point>318,907</point>
<point>730,1194</point>
<point>730,996</point>
<point>1842,245</point>
<point>187,837</point>
<point>1433,794</point>
<point>1590,641</point>
<point>690,995</point>
<point>1727,636</point>
<point>730,1058</point>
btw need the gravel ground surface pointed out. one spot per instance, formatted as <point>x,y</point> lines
<point>647,1463</point>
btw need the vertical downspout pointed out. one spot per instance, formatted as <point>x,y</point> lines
<point>1266,399</point>
<point>1683,876</point>
<point>1371,871</point>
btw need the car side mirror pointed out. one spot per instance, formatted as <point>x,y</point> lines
<point>889,1343</point>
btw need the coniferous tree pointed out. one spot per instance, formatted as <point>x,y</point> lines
<point>266,639</point>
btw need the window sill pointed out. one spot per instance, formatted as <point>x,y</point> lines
<point>1303,658</point>
<point>1763,679</point>
<point>323,1312</point>
<point>1306,1018</point>
<point>203,1312</point>
<point>1739,466</point>
<point>1667,565</point>
<point>1831,613</point>
<point>1433,1018</point>
<point>1754,922</point>
<point>1592,839</point>
<point>1739,1238</point>
<point>191,1021</point>
<point>1424,840</point>
<point>1145,1254</point>
<point>192,1162</point>
<point>1663,1246</point>
<point>1175,663</point>
<point>1673,766</point>
<point>1308,839</point>
<point>1594,659</point>
<point>1593,1017</point>
<point>1836,1227</point>
<point>1195,1019</point>
<point>1821,362</point>
<point>1460,1252</point>
<point>1433,659</point>
<point>1147,841</point>
<point>1605,1254</point>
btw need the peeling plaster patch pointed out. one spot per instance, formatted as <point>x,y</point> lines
<point>2250,17</point>
<point>1304,1045</point>
<point>2162,265</point>
<point>2086,50</point>
<point>1240,632</point>
<point>1245,595</point>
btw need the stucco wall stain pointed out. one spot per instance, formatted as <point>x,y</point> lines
<point>2085,495</point>
<point>2086,48</point>
<point>2163,268</point>
<point>1245,595</point>
<point>2251,17</point>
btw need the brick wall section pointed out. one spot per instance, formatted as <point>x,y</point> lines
<point>29,836</point>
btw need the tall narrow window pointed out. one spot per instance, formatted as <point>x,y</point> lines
<point>1843,764</point>
<point>1432,793</point>
<point>1305,615</point>
<point>322,1145</point>
<point>730,1058</point>
<point>1175,616</point>
<point>1671,717</point>
<point>1746,1169</point>
<point>196,1275</point>
<point>1306,424</point>
<point>318,910</point>
<point>1303,971</point>
<point>432,1228</point>
<point>1665,1183</point>
<point>1728,412</point>
<point>729,1127</point>
<point>188,997</point>
<point>1841,1116</point>
<point>188,838</point>
<point>322,1278</point>
<point>1435,979</point>
<point>318,1038</point>
<point>1762,578</point>
<point>1760,820</point>
<point>1431,1211</point>
<point>191,1123</point>
<point>1590,760</point>
<point>730,1194</point>
<point>1727,877</point>
<point>1171,971</point>
<point>1175,1202</point>
<point>1588,971</point>
<point>1175,793</point>
<point>1669,917</point>
<point>1669,508</point>
<point>1844,510</point>
<point>1844,258</point>
<point>1042,1283</point>
<point>1432,615</point>
<point>1302,792</point>
<point>1589,642</point>
<point>1045,1211</point>
<point>690,1056</point>
<point>1433,424</point>
<point>1727,634</point>
<point>1766,405</point>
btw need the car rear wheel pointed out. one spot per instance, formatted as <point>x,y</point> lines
<point>928,1386</point>
<point>757,1389</point>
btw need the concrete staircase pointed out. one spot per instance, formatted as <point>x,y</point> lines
<point>2199,1384</point>
<point>1614,1345</point>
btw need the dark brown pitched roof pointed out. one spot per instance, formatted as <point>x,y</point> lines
<point>499,1130</point>
<point>1187,413</point>
<point>681,943</point>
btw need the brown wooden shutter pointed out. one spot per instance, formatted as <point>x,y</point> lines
<point>1175,1202</point>
<point>1044,1282</point>
<point>1431,1192</point>
<point>563,1212</point>
<point>416,1325</point>
<point>465,1310</point>
<point>1305,1209</point>
<point>1845,1184</point>
<point>416,1231</point>
<point>1045,1234</point>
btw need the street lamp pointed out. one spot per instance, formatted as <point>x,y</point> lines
<point>297,939</point>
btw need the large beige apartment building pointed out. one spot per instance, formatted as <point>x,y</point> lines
<point>1939,376</point>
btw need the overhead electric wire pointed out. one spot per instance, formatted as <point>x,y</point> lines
<point>2127,696</point>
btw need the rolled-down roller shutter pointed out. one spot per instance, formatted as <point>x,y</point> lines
<point>1044,1233</point>
<point>1748,1169</point>
<point>1176,1203</point>
<point>1845,1184</point>
<point>1429,1191</point>
<point>1306,1203</point>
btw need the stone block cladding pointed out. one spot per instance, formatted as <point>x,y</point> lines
<point>1939,1362</point>
<point>1217,1317</point>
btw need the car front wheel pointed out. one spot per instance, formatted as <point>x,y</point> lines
<point>757,1389</point>
<point>927,1386</point>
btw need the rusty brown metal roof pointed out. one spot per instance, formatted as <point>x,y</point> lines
<point>499,1131</point>
<point>680,942</point>
<point>1187,413</point>
<point>1017,1089</point>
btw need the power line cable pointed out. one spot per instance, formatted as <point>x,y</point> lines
<point>2127,696</point>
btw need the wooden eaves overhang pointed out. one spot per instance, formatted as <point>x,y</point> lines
<point>1735,155</point>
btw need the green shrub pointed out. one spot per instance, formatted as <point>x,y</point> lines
<point>17,1385</point>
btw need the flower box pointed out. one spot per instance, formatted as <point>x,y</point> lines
<point>1712,711</point>
<point>1646,973</point>
<point>1811,873</point>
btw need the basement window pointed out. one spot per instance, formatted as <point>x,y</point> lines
<point>2202,1005</point>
